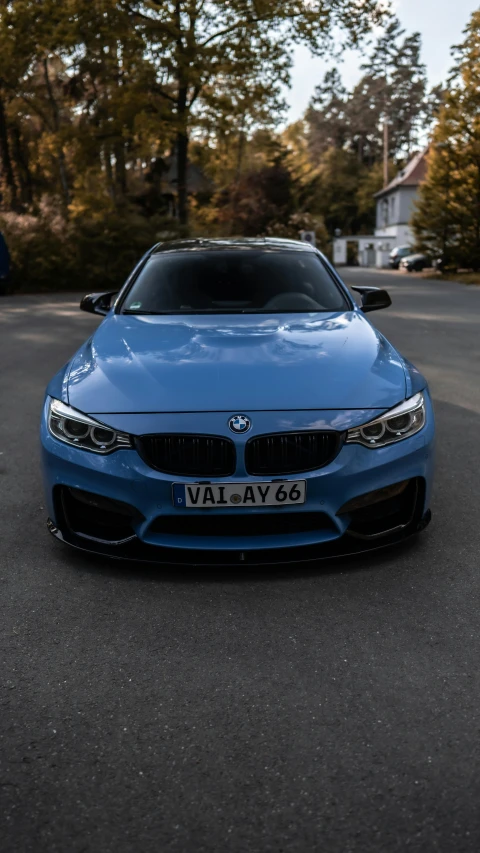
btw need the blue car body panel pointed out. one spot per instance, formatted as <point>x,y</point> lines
<point>216,423</point>
<point>230,363</point>
<point>124,476</point>
<point>189,374</point>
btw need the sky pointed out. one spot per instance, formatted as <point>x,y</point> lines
<point>440,23</point>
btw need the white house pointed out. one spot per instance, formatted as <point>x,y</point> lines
<point>394,210</point>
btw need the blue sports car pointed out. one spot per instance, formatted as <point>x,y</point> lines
<point>236,404</point>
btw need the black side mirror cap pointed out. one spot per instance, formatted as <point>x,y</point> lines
<point>373,298</point>
<point>98,303</point>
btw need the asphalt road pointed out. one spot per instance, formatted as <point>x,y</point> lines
<point>323,708</point>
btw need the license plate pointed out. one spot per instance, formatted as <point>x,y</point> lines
<point>212,495</point>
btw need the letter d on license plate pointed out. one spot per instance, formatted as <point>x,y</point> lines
<point>212,495</point>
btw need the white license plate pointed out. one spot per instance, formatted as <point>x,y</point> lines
<point>212,495</point>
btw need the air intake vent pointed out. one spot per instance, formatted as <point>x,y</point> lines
<point>246,524</point>
<point>291,452</point>
<point>188,455</point>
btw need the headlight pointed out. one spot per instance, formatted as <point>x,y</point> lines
<point>399,423</point>
<point>72,427</point>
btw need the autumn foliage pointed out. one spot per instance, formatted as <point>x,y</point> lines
<point>125,122</point>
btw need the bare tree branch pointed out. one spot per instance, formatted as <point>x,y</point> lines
<point>238,26</point>
<point>196,91</point>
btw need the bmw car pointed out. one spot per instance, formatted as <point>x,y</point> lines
<point>235,404</point>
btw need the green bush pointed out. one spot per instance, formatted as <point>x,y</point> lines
<point>95,249</point>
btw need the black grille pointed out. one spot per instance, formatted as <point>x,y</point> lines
<point>258,524</point>
<point>188,455</point>
<point>291,452</point>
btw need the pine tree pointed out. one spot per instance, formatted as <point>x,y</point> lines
<point>447,218</point>
<point>393,87</point>
<point>326,114</point>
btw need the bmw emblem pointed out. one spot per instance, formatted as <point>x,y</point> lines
<point>239,423</point>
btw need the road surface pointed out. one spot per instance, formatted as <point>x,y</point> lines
<point>326,708</point>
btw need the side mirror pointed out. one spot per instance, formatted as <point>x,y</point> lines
<point>373,298</point>
<point>98,303</point>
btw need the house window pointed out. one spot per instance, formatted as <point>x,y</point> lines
<point>392,208</point>
<point>385,211</point>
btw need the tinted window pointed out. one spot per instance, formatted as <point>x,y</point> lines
<point>234,281</point>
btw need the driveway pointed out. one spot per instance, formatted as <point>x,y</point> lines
<point>333,707</point>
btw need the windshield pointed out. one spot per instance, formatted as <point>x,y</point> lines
<point>234,282</point>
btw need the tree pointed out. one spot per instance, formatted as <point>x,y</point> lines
<point>447,218</point>
<point>78,94</point>
<point>206,48</point>
<point>365,111</point>
<point>34,39</point>
<point>15,54</point>
<point>391,90</point>
<point>399,94</point>
<point>120,117</point>
<point>326,115</point>
<point>256,200</point>
<point>407,104</point>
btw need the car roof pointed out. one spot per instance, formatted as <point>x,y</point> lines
<point>243,243</point>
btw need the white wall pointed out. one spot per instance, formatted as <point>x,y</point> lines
<point>339,251</point>
<point>381,259</point>
<point>401,235</point>
<point>407,199</point>
<point>372,250</point>
<point>396,208</point>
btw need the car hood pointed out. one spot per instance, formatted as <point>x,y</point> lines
<point>235,363</point>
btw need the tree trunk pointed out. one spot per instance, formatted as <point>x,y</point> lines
<point>241,147</point>
<point>20,156</point>
<point>120,170</point>
<point>62,166</point>
<point>385,153</point>
<point>182,165</point>
<point>6,171</point>
<point>360,149</point>
<point>235,199</point>
<point>107,159</point>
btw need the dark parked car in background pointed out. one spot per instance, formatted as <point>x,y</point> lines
<point>4,265</point>
<point>397,254</point>
<point>415,263</point>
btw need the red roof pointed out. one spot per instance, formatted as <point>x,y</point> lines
<point>413,173</point>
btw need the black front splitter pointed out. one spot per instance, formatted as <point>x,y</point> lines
<point>137,551</point>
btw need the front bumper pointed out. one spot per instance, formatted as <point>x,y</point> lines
<point>138,551</point>
<point>123,477</point>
